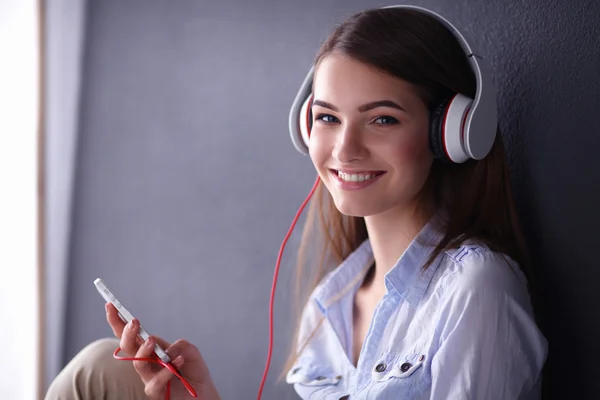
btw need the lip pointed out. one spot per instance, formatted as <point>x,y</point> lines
<point>344,185</point>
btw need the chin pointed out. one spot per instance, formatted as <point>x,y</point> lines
<point>355,210</point>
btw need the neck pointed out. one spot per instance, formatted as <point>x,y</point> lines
<point>390,234</point>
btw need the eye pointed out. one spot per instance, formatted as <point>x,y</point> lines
<point>327,118</point>
<point>386,120</point>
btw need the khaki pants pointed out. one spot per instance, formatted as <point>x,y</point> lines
<point>95,374</point>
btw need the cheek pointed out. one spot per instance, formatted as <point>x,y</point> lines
<point>316,150</point>
<point>414,152</point>
<point>319,146</point>
<point>413,163</point>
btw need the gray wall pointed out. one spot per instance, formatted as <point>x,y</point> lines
<point>186,180</point>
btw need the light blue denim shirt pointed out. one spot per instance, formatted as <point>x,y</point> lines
<point>461,329</point>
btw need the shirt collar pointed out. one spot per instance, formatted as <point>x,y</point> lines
<point>346,277</point>
<point>407,277</point>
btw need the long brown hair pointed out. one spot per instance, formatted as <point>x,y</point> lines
<point>476,195</point>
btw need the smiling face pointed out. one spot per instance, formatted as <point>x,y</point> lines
<point>369,139</point>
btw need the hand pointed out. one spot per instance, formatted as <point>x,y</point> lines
<point>184,356</point>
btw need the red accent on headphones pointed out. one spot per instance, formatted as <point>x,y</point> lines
<point>308,115</point>
<point>444,126</point>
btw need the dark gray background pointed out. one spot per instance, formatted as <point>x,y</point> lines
<point>186,180</point>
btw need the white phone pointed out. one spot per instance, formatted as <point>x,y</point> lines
<point>126,316</point>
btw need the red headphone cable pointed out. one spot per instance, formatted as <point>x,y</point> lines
<point>169,366</point>
<point>189,387</point>
<point>275,275</point>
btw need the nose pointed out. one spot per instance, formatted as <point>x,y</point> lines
<point>349,146</point>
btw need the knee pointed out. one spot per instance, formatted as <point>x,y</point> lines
<point>86,372</point>
<point>99,350</point>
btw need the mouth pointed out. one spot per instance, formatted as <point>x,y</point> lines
<point>356,177</point>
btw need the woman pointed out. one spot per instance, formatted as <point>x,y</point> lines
<point>429,295</point>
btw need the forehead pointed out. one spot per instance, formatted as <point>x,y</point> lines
<point>343,81</point>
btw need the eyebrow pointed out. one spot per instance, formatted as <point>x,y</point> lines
<point>364,107</point>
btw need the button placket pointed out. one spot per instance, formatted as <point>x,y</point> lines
<point>296,374</point>
<point>383,312</point>
<point>401,367</point>
<point>311,377</point>
<point>405,368</point>
<point>323,380</point>
<point>381,369</point>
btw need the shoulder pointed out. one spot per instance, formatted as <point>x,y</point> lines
<point>483,295</point>
<point>475,268</point>
<point>483,312</point>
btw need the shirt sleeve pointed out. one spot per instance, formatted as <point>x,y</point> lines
<point>490,346</point>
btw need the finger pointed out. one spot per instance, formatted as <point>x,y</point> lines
<point>180,346</point>
<point>116,323</point>
<point>162,343</point>
<point>112,316</point>
<point>173,350</point>
<point>166,347</point>
<point>130,343</point>
<point>145,368</point>
<point>157,385</point>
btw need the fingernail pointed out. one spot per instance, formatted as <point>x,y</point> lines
<point>178,361</point>
<point>131,324</point>
<point>149,342</point>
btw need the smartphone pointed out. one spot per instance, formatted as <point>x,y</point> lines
<point>126,316</point>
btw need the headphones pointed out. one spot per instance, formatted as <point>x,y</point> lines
<point>461,128</point>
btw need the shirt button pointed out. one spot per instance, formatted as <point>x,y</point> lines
<point>380,367</point>
<point>421,358</point>
<point>405,367</point>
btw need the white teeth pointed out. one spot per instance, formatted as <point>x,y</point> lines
<point>355,177</point>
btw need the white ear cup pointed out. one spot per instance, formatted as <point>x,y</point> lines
<point>453,128</point>
<point>305,122</point>
<point>298,114</point>
<point>482,121</point>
